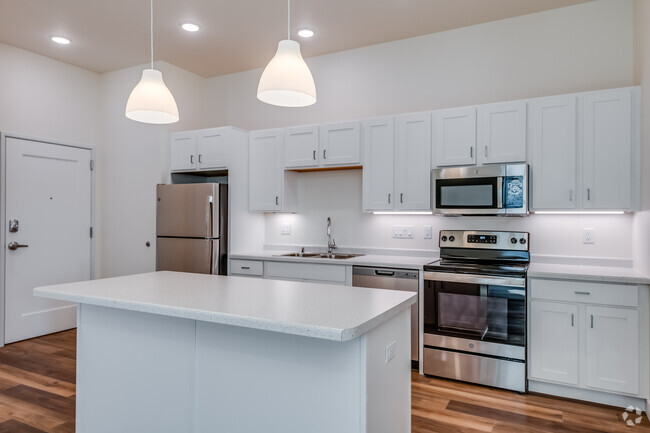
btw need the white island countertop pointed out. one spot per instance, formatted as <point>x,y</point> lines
<point>322,311</point>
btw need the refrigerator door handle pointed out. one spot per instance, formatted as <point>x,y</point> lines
<point>209,212</point>
<point>214,265</point>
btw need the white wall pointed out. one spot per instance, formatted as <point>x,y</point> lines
<point>642,76</point>
<point>131,159</point>
<point>578,48</point>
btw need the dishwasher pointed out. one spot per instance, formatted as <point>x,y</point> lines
<point>393,279</point>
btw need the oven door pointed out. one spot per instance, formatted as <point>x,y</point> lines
<point>475,307</point>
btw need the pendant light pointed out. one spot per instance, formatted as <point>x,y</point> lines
<point>151,101</point>
<point>286,80</point>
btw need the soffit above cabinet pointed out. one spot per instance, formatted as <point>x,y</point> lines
<point>235,35</point>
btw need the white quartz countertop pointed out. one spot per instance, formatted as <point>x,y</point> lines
<point>404,262</point>
<point>323,311</point>
<point>588,273</point>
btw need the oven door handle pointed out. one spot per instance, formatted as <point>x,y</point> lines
<point>475,279</point>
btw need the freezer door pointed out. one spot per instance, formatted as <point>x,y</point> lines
<point>201,256</point>
<point>189,210</point>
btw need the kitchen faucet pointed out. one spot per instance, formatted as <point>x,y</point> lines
<point>331,243</point>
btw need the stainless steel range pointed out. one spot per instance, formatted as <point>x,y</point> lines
<point>475,308</point>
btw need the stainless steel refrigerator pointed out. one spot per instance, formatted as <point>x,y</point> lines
<point>192,228</point>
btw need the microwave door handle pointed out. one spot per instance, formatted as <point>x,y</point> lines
<point>500,192</point>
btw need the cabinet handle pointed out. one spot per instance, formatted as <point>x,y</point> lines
<point>401,197</point>
<point>570,195</point>
<point>248,267</point>
<point>314,156</point>
<point>277,200</point>
<point>191,159</point>
<point>324,153</point>
<point>388,198</point>
<point>588,193</point>
<point>592,321</point>
<point>572,320</point>
<point>471,152</point>
<point>486,151</point>
<point>582,293</point>
<point>199,158</point>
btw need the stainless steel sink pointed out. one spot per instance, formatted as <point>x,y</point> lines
<point>321,255</point>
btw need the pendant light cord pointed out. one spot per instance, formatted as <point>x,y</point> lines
<point>288,19</point>
<point>151,34</point>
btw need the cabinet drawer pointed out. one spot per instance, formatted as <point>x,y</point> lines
<point>306,271</point>
<point>623,295</point>
<point>247,267</point>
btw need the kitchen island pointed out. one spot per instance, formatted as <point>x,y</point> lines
<point>176,352</point>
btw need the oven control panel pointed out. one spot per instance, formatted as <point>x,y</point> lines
<point>517,241</point>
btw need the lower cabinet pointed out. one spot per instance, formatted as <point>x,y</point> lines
<point>586,335</point>
<point>291,271</point>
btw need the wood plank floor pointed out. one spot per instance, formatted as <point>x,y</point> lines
<point>37,395</point>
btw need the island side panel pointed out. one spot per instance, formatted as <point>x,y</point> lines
<point>259,381</point>
<point>135,372</point>
<point>388,382</point>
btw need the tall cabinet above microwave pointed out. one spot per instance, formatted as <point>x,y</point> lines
<point>486,190</point>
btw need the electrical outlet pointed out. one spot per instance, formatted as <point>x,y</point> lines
<point>588,236</point>
<point>285,229</point>
<point>403,232</point>
<point>428,233</point>
<point>390,351</point>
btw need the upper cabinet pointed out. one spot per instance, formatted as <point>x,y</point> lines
<point>502,136</point>
<point>585,151</point>
<point>554,146</point>
<point>455,136</point>
<point>607,150</point>
<point>205,149</point>
<point>397,163</point>
<point>270,188</point>
<point>328,145</point>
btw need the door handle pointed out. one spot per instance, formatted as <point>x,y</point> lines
<point>388,198</point>
<point>471,152</point>
<point>15,245</point>
<point>199,158</point>
<point>324,153</point>
<point>314,155</point>
<point>191,159</point>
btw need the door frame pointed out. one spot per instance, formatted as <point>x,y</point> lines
<point>3,209</point>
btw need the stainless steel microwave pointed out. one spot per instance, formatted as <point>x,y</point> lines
<point>486,190</point>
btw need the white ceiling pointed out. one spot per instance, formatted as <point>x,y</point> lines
<point>235,35</point>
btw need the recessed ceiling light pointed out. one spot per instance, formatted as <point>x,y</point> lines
<point>305,33</point>
<point>60,40</point>
<point>189,27</point>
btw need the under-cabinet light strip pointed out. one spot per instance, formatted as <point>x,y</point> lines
<point>612,212</point>
<point>403,213</point>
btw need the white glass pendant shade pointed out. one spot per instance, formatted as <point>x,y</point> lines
<point>151,101</point>
<point>286,80</point>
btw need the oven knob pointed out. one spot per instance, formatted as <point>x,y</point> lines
<point>451,238</point>
<point>444,238</point>
<point>522,241</point>
<point>513,240</point>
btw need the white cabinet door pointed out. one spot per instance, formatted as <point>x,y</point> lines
<point>265,170</point>
<point>183,150</point>
<point>413,162</point>
<point>378,167</point>
<point>301,147</point>
<point>612,349</point>
<point>554,342</point>
<point>553,144</point>
<point>607,131</point>
<point>503,133</point>
<point>212,148</point>
<point>455,137</point>
<point>340,144</point>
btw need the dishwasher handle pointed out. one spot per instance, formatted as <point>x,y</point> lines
<point>384,273</point>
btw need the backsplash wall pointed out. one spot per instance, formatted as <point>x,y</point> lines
<point>338,195</point>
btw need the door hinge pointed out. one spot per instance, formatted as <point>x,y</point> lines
<point>91,232</point>
<point>92,165</point>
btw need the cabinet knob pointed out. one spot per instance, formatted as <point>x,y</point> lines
<point>401,197</point>
<point>324,153</point>
<point>314,155</point>
<point>277,200</point>
<point>486,150</point>
<point>199,158</point>
<point>388,198</point>
<point>471,152</point>
<point>191,159</point>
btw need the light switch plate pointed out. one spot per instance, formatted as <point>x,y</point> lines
<point>285,229</point>
<point>403,232</point>
<point>428,232</point>
<point>390,351</point>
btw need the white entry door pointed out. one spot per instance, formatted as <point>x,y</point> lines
<point>48,215</point>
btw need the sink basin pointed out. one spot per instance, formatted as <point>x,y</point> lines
<point>322,255</point>
<point>301,255</point>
